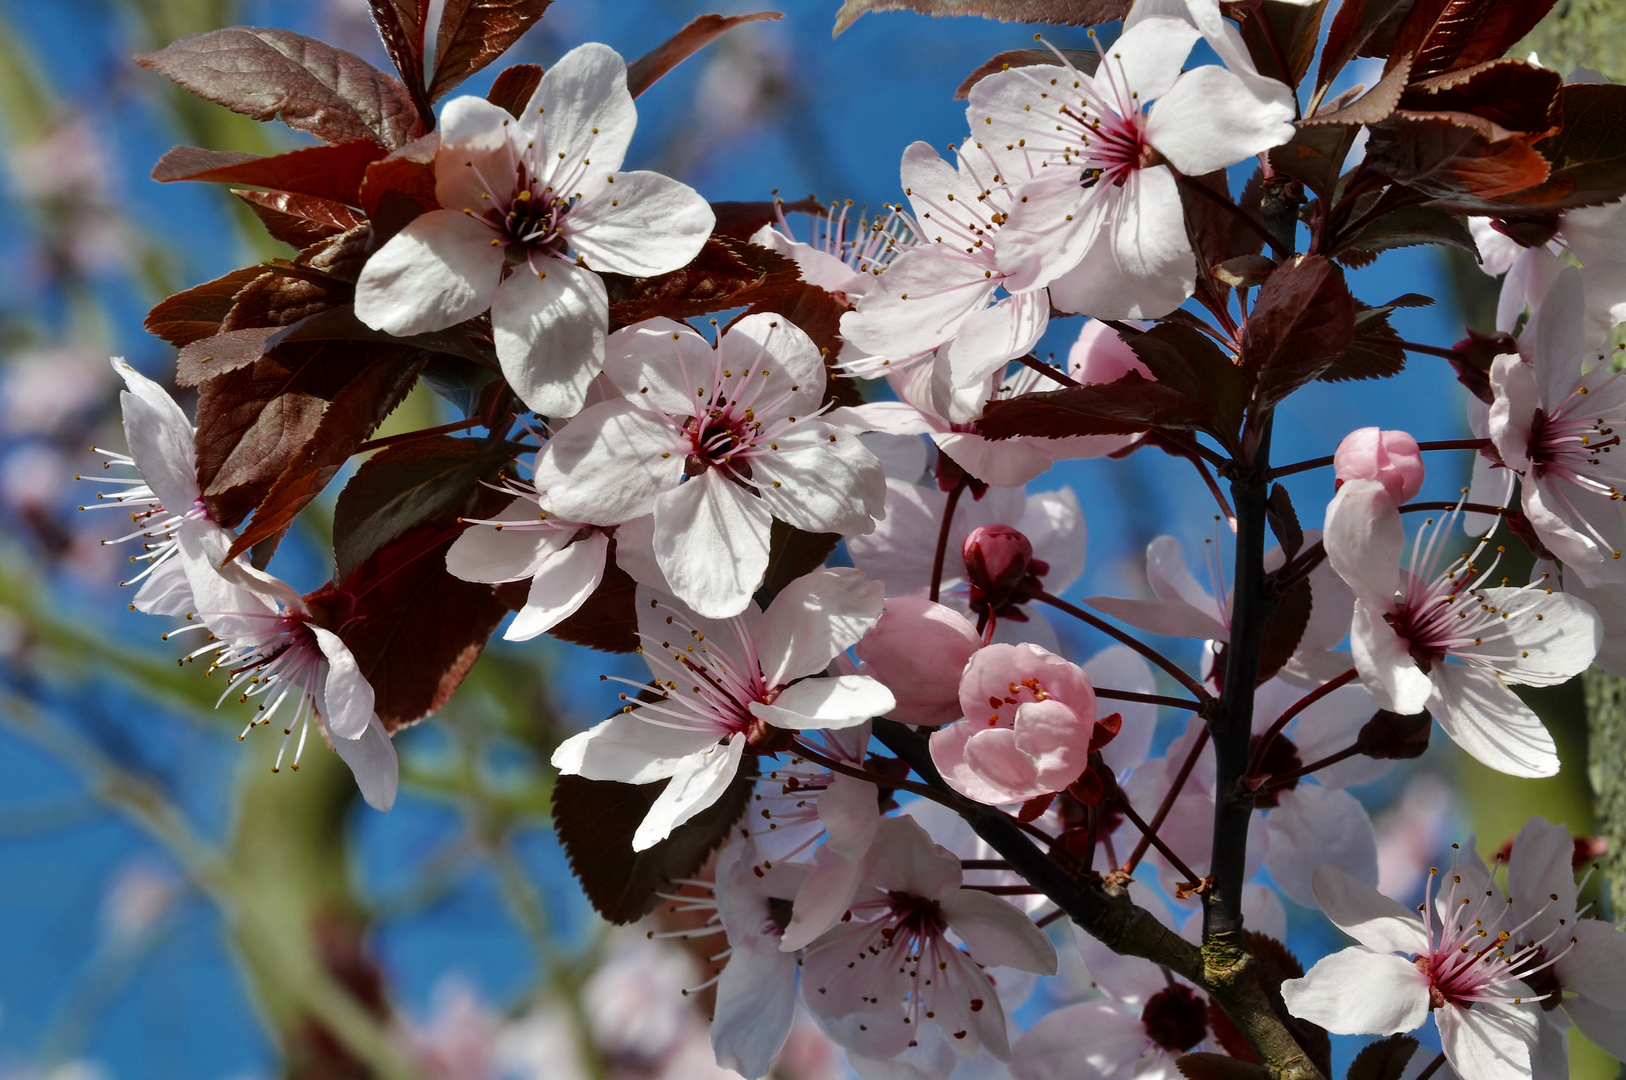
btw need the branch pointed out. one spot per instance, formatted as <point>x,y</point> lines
<point>1133,642</point>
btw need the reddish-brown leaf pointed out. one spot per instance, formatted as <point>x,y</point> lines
<point>401,25</point>
<point>352,414</point>
<point>1184,359</point>
<point>726,274</point>
<point>473,33</point>
<point>416,630</point>
<point>1511,94</point>
<point>645,71</point>
<point>198,312</point>
<point>400,187</point>
<point>1131,405</point>
<point>299,220</point>
<point>211,357</point>
<point>1588,156</point>
<point>273,74</point>
<point>326,172</point>
<point>818,314</point>
<point>1449,34</point>
<point>1360,28</point>
<point>596,819</point>
<point>405,485</point>
<point>1284,629</point>
<point>1061,12</point>
<point>1206,1066</point>
<point>1291,30</point>
<point>1302,321</point>
<point>1454,156</point>
<point>1081,59</point>
<point>608,621</point>
<point>514,86</point>
<point>1406,226</point>
<point>279,298</point>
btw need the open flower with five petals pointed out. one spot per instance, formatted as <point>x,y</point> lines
<point>1447,640</point>
<point>532,209</point>
<point>716,442</point>
<point>725,687</point>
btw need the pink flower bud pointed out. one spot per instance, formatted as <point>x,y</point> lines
<point>1389,457</point>
<point>1030,718</point>
<point>1000,565</point>
<point>918,650</point>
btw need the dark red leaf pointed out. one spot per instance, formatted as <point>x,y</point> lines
<point>596,819</point>
<point>1284,520</point>
<point>1454,156</point>
<point>1184,359</point>
<point>1373,105</point>
<point>1277,33</point>
<point>1360,28</point>
<point>1406,227</point>
<point>348,418</point>
<point>1061,12</point>
<point>1132,404</point>
<point>1511,94</point>
<point>1284,629</point>
<point>818,313</point>
<point>401,25</point>
<point>1393,737</point>
<point>252,422</point>
<point>1081,59</point>
<point>473,33</point>
<point>197,313</point>
<point>210,357</point>
<point>398,188</point>
<point>726,274</point>
<point>1302,320</point>
<point>299,220</point>
<point>326,172</point>
<point>1217,235</point>
<point>416,630</point>
<point>404,485</point>
<point>608,621</point>
<point>1206,1066</point>
<point>1449,34</point>
<point>280,298</point>
<point>1383,1060</point>
<point>645,71</point>
<point>1588,156</point>
<point>272,74</point>
<point>514,86</point>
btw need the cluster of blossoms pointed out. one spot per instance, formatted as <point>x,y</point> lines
<point>685,489</point>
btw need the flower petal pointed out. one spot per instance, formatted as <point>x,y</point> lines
<point>819,479</point>
<point>1388,670</point>
<point>698,782</point>
<point>1486,719</point>
<point>1491,1041</point>
<point>1358,992</point>
<point>373,762</point>
<point>997,933</point>
<point>711,541</point>
<point>1359,910</point>
<point>487,553</point>
<point>1313,826</point>
<point>1364,540</point>
<point>438,271</point>
<point>608,464</point>
<point>347,696</point>
<point>813,619</point>
<point>549,328</point>
<point>840,702</point>
<point>562,584</point>
<point>642,224</point>
<point>1211,119</point>
<point>990,337</point>
<point>587,113</point>
<point>630,749</point>
<point>160,440</point>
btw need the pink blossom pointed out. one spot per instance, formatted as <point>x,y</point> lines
<point>1389,457</point>
<point>1030,718</point>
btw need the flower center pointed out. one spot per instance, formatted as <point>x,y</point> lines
<point>715,439</point>
<point>1175,1019</point>
<point>1572,448</point>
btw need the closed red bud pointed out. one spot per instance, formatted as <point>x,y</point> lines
<point>1000,565</point>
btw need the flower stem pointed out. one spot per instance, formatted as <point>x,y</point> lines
<point>1133,642</point>
<point>1169,797</point>
<point>1432,1067</point>
<point>943,535</point>
<point>1148,832</point>
<point>1293,710</point>
<point>1147,699</point>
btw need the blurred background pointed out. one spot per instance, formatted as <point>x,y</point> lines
<point>171,910</point>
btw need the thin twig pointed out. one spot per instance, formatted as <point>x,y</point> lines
<point>1293,710</point>
<point>425,433</point>
<point>1147,831</point>
<point>1432,1067</point>
<point>1169,797</point>
<point>868,777</point>
<point>1049,371</point>
<point>943,535</point>
<point>1133,642</point>
<point>1147,699</point>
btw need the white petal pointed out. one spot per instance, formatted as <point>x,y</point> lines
<point>1150,54</point>
<point>1486,719</point>
<point>1364,540</point>
<point>660,363</point>
<point>549,327</point>
<point>756,1002</point>
<point>990,337</point>
<point>826,480</point>
<point>1212,119</point>
<point>562,584</point>
<point>784,363</point>
<point>698,783</point>
<point>487,553</point>
<point>840,702</point>
<point>1314,826</point>
<point>1000,462</point>
<point>1137,265</point>
<point>997,933</point>
<point>587,113</point>
<point>166,591</point>
<point>629,749</point>
<point>1388,670</point>
<point>1489,1041</point>
<point>642,224</point>
<point>347,695</point>
<point>918,303</point>
<point>1095,1039</point>
<point>1359,910</point>
<point>373,762</point>
<point>635,552</point>
<point>1540,877</point>
<point>711,540</point>
<point>476,144</point>
<point>814,618</point>
<point>1121,668</point>
<point>607,466</point>
<point>160,439</point>
<point>1543,651</point>
<point>438,271</point>
<point>1601,1024</point>
<point>1558,332</point>
<point>1596,967</point>
<point>1357,992</point>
